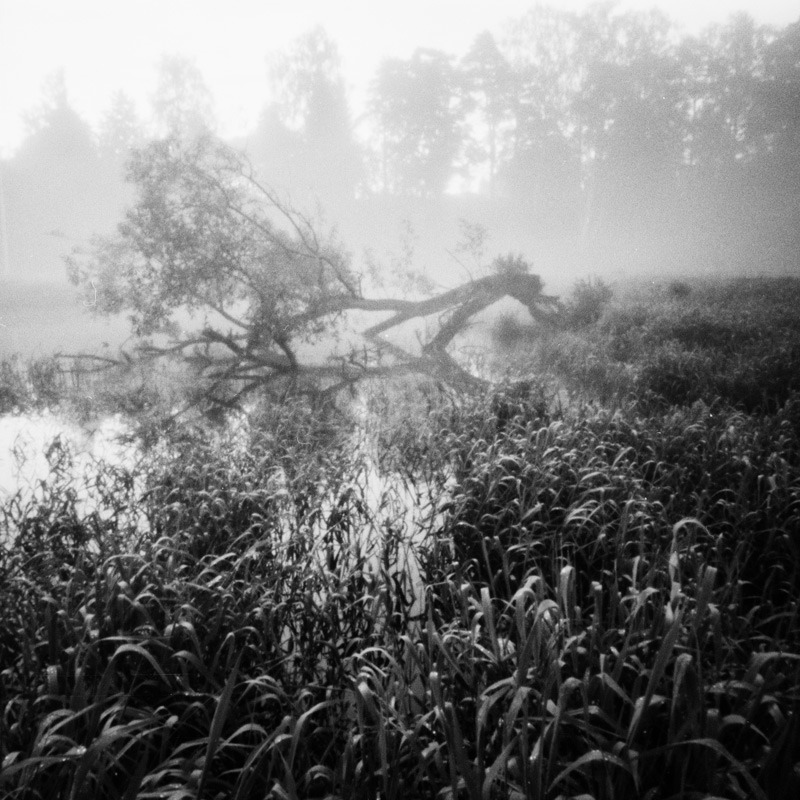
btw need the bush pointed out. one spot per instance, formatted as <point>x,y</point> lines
<point>508,332</point>
<point>678,290</point>
<point>47,381</point>
<point>14,392</point>
<point>674,376</point>
<point>36,383</point>
<point>587,303</point>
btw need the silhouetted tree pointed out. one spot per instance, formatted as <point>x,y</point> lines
<point>276,151</point>
<point>489,83</point>
<point>54,188</point>
<point>630,105</point>
<point>121,130</point>
<point>312,101</point>
<point>56,133</point>
<point>182,103</point>
<point>420,122</point>
<point>544,169</point>
<point>779,99</point>
<point>668,136</point>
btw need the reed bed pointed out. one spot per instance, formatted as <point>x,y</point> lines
<point>587,603</point>
<point>609,610</point>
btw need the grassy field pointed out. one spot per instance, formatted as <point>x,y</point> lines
<point>597,597</point>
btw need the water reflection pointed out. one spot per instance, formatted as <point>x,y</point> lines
<point>31,445</point>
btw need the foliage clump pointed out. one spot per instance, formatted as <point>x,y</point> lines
<point>731,342</point>
<point>36,384</point>
<point>678,289</point>
<point>587,303</point>
<point>511,264</point>
<point>509,332</point>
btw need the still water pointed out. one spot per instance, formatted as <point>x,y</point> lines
<point>30,444</point>
<point>33,446</point>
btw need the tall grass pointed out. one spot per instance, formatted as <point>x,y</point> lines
<point>610,609</point>
<point>585,603</point>
<point>736,343</point>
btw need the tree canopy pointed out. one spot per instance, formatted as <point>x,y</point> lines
<point>607,135</point>
<point>213,266</point>
<point>420,118</point>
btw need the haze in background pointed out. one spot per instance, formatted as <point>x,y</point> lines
<point>593,139</point>
<point>107,46</point>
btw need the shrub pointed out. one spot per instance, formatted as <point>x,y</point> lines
<point>14,393</point>
<point>678,290</point>
<point>508,332</point>
<point>675,376</point>
<point>511,264</point>
<point>47,380</point>
<point>587,303</point>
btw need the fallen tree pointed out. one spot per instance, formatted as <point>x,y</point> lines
<point>213,267</point>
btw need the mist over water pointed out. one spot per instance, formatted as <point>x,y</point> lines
<point>603,142</point>
<point>599,143</point>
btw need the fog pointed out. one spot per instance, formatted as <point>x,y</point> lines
<point>595,142</point>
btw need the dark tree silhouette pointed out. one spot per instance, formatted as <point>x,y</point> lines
<point>491,85</point>
<point>182,103</point>
<point>779,101</point>
<point>121,130</point>
<point>420,120</point>
<point>325,160</point>
<point>53,194</point>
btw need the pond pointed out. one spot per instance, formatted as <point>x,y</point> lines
<point>30,445</point>
<point>41,452</point>
<point>36,447</point>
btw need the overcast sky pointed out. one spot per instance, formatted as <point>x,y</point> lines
<point>106,45</point>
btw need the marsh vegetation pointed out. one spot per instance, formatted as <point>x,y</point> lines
<point>596,595</point>
<point>389,520</point>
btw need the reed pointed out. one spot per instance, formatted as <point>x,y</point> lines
<point>587,602</point>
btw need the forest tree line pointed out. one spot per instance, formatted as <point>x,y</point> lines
<point>612,130</point>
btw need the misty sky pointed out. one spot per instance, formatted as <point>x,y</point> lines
<point>106,45</point>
